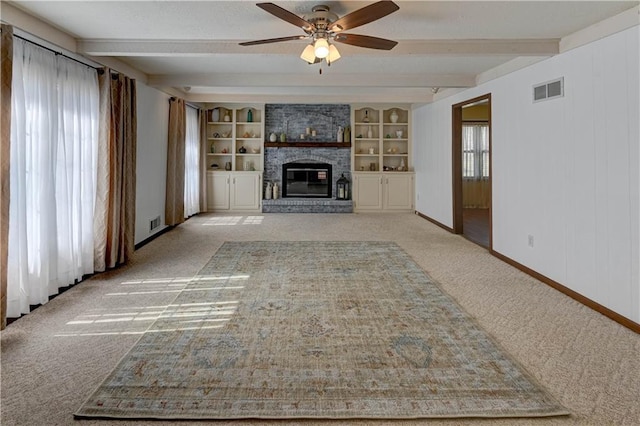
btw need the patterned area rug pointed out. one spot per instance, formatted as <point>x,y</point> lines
<point>316,330</point>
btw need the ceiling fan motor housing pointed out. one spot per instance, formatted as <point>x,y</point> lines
<point>321,17</point>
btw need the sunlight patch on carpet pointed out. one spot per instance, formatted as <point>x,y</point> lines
<point>316,330</point>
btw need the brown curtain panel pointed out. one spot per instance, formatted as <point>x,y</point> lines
<point>174,201</point>
<point>114,223</point>
<point>6,69</point>
<point>202,120</point>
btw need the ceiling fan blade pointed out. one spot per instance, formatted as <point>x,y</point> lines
<point>365,41</point>
<point>285,15</point>
<point>364,16</point>
<point>272,40</point>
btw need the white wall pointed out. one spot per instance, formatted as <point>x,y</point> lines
<point>151,160</point>
<point>565,171</point>
<point>431,128</point>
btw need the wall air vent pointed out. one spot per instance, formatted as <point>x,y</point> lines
<point>154,223</point>
<point>549,90</point>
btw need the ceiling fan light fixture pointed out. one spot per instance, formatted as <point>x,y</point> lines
<point>308,54</point>
<point>321,48</point>
<point>334,55</point>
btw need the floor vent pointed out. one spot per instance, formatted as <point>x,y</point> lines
<point>154,223</point>
<point>549,90</point>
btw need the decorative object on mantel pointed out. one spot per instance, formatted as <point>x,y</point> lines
<point>283,137</point>
<point>342,188</point>
<point>394,116</point>
<point>276,191</point>
<point>347,134</point>
<point>340,135</point>
<point>323,27</point>
<point>273,137</point>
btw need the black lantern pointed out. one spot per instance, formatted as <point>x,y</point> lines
<point>342,188</point>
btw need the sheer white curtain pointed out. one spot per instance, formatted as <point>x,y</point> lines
<point>54,133</point>
<point>475,165</point>
<point>192,164</point>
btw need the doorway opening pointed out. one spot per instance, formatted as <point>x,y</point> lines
<point>471,148</point>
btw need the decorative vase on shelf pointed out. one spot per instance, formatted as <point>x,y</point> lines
<point>215,114</point>
<point>370,133</point>
<point>250,116</point>
<point>227,117</point>
<point>394,116</point>
<point>366,118</point>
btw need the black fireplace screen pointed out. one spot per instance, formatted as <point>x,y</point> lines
<point>307,180</point>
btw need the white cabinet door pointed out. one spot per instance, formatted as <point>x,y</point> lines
<point>398,191</point>
<point>218,191</point>
<point>246,190</point>
<point>368,191</point>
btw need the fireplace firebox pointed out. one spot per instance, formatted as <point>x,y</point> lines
<point>308,180</point>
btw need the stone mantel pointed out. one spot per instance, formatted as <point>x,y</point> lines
<point>307,144</point>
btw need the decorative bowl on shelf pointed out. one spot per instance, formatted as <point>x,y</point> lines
<point>255,150</point>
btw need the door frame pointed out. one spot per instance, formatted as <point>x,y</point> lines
<point>456,156</point>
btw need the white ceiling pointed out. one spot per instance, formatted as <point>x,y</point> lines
<point>194,44</point>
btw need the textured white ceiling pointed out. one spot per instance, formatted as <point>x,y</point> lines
<point>212,30</point>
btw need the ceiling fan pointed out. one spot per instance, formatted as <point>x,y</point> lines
<point>324,27</point>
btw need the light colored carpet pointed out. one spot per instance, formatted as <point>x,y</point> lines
<point>315,329</point>
<point>55,356</point>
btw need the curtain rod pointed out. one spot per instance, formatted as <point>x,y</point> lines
<point>196,107</point>
<point>55,51</point>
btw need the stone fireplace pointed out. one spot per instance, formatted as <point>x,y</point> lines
<point>309,153</point>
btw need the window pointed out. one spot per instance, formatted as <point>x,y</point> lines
<point>191,164</point>
<point>475,150</point>
<point>54,137</point>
